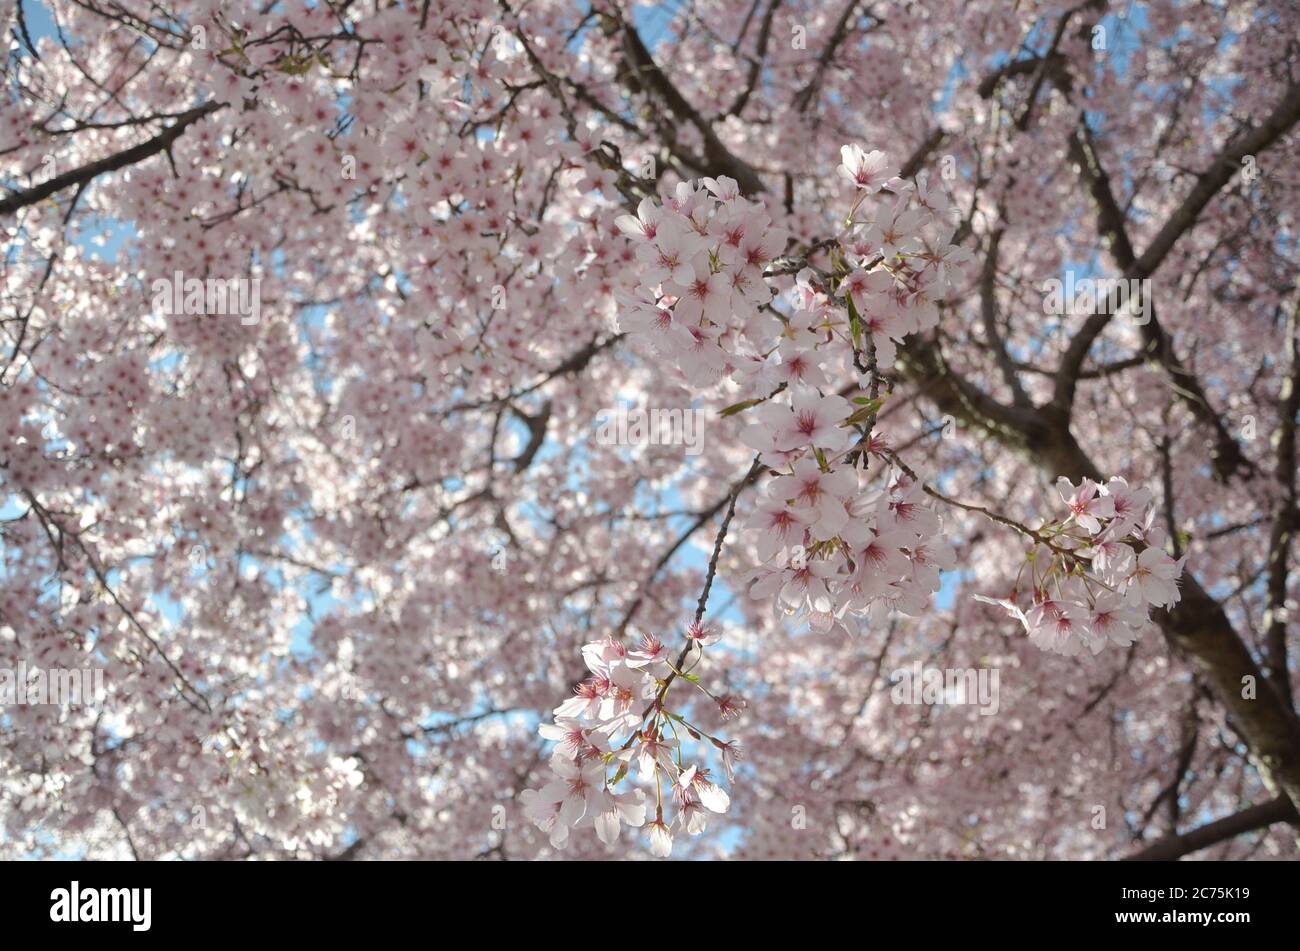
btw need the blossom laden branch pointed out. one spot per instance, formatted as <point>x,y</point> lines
<point>92,170</point>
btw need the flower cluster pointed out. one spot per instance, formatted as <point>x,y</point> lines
<point>1095,574</point>
<point>834,551</point>
<point>832,547</point>
<point>702,256</point>
<point>616,723</point>
<point>705,304</point>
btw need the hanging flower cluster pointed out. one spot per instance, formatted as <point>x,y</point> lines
<point>836,543</point>
<point>837,550</point>
<point>618,723</point>
<point>1094,575</point>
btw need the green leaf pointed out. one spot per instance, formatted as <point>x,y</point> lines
<point>740,407</point>
<point>864,415</point>
<point>855,323</point>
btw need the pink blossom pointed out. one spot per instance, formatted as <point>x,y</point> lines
<point>866,170</point>
<point>1086,506</point>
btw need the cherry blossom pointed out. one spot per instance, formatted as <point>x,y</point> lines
<point>362,577</point>
<point>1094,576</point>
<point>865,170</point>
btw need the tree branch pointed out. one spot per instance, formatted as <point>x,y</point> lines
<point>1284,518</point>
<point>645,75</point>
<point>1248,820</point>
<point>86,173</point>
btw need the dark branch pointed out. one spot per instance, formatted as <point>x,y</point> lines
<point>86,173</point>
